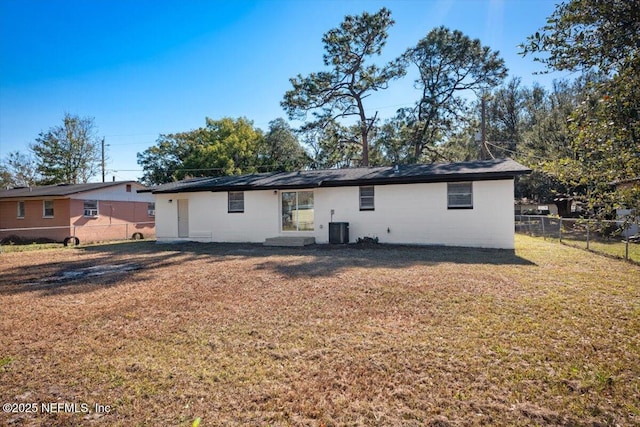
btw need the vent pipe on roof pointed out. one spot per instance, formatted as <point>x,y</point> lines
<point>113,178</point>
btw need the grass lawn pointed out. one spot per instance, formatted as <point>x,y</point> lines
<point>246,335</point>
<point>613,247</point>
<point>7,248</point>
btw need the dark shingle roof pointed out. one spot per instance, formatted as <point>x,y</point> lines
<point>403,174</point>
<point>59,190</point>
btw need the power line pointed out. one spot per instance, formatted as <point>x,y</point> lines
<point>514,152</point>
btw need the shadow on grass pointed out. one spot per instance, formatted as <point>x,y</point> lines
<point>133,262</point>
<point>116,264</point>
<point>322,260</point>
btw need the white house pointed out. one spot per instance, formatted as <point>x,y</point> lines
<point>455,204</point>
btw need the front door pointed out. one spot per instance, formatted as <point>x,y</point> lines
<point>183,218</point>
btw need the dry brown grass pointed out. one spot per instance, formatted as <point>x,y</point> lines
<point>245,335</point>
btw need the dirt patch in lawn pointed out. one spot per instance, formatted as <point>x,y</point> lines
<point>241,334</point>
<point>84,273</point>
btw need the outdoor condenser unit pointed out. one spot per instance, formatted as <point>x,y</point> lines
<point>338,232</point>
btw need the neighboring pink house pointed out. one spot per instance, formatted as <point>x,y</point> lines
<point>77,212</point>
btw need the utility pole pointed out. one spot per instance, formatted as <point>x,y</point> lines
<point>102,159</point>
<point>483,130</point>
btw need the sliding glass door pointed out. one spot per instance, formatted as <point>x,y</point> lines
<point>297,211</point>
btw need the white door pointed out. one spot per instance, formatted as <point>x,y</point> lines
<point>183,218</point>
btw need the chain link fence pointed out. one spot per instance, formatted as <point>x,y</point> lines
<point>619,239</point>
<point>78,234</point>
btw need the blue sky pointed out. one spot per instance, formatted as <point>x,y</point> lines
<point>142,68</point>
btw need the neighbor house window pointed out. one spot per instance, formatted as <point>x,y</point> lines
<point>20,209</point>
<point>47,208</point>
<point>236,201</point>
<point>367,198</point>
<point>90,208</point>
<point>128,188</point>
<point>297,211</point>
<point>460,195</point>
<point>151,209</point>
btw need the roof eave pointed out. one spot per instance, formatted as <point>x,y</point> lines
<point>476,176</point>
<point>62,194</point>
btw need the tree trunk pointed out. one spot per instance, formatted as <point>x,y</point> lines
<point>365,146</point>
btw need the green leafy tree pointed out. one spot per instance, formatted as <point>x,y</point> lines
<point>340,91</point>
<point>506,117</point>
<point>332,145</point>
<point>69,153</point>
<point>18,170</point>
<point>603,37</point>
<point>450,65</point>
<point>463,143</point>
<point>544,137</point>
<point>223,147</point>
<point>390,143</point>
<point>161,162</point>
<point>281,150</point>
<point>605,134</point>
<point>582,35</point>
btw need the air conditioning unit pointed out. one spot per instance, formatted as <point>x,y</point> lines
<point>339,232</point>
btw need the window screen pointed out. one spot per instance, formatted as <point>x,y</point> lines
<point>236,201</point>
<point>367,196</point>
<point>460,195</point>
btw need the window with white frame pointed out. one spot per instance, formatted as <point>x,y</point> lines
<point>151,209</point>
<point>20,209</point>
<point>90,208</point>
<point>236,201</point>
<point>460,195</point>
<point>47,208</point>
<point>367,198</point>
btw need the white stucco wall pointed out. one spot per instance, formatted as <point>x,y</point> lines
<point>209,220</point>
<point>418,214</point>
<point>412,214</point>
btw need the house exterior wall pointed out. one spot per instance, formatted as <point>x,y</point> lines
<point>258,221</point>
<point>418,214</point>
<point>119,214</point>
<point>34,218</point>
<point>404,214</point>
<point>210,221</point>
<point>115,220</point>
